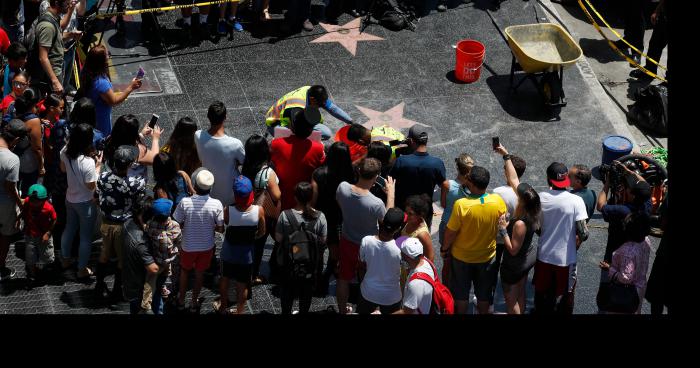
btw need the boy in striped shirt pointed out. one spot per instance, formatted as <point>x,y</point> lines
<point>199,217</point>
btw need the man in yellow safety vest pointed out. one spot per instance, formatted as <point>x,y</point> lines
<point>358,138</point>
<point>283,111</point>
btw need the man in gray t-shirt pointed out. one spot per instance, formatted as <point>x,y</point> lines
<point>220,153</point>
<point>362,212</point>
<point>9,198</point>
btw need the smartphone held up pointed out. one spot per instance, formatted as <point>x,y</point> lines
<point>154,121</point>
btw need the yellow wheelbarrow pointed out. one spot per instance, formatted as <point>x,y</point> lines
<point>542,51</point>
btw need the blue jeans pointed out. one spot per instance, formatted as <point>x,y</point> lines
<point>326,132</point>
<point>157,301</point>
<point>79,216</point>
<point>68,59</point>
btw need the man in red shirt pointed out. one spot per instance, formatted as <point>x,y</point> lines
<point>296,157</point>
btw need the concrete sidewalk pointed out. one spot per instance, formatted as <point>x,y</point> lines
<point>609,68</point>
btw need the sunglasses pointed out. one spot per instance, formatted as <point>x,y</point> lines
<point>17,84</point>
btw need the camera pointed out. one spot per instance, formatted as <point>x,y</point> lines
<point>615,173</point>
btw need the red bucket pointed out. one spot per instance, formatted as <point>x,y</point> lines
<point>470,57</point>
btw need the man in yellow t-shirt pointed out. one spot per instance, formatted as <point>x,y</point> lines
<point>470,242</point>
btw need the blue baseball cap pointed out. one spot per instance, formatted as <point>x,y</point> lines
<point>162,206</point>
<point>243,191</point>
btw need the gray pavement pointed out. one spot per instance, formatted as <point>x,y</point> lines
<point>407,76</point>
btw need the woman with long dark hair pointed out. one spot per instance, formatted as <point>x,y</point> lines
<point>171,183</point>
<point>324,181</point>
<point>313,221</point>
<point>181,146</point>
<point>520,254</point>
<point>84,111</point>
<point>126,132</point>
<point>257,167</point>
<point>82,167</point>
<point>98,87</point>
<point>630,262</point>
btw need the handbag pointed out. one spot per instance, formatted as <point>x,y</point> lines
<point>263,197</point>
<point>622,298</point>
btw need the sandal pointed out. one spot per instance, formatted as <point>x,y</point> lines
<point>84,274</point>
<point>259,280</point>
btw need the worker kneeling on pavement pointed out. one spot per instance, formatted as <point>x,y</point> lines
<point>282,112</point>
<point>358,138</point>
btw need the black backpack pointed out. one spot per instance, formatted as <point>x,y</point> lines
<point>298,256</point>
<point>650,110</point>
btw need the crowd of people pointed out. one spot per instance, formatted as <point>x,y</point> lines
<point>363,196</point>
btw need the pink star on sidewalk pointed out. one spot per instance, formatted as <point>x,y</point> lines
<point>347,35</point>
<point>392,117</point>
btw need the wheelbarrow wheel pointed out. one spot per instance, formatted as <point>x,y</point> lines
<point>551,89</point>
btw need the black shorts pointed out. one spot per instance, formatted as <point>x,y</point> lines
<point>239,272</point>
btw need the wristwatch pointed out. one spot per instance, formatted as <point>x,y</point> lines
<point>507,157</point>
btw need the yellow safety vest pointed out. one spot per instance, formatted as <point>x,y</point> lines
<point>294,99</point>
<point>386,134</point>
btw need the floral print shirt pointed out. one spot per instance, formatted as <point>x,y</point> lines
<point>120,195</point>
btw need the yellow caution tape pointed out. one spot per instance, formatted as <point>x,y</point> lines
<point>165,8</point>
<point>76,74</point>
<point>613,46</point>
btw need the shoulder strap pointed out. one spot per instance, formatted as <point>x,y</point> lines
<point>423,276</point>
<point>263,174</point>
<point>292,219</point>
<point>46,17</point>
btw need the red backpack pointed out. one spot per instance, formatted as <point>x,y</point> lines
<point>443,302</point>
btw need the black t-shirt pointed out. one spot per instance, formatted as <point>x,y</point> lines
<point>326,203</point>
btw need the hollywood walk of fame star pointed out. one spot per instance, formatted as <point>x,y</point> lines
<point>392,117</point>
<point>347,35</point>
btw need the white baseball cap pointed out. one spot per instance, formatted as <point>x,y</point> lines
<point>412,247</point>
<point>203,178</point>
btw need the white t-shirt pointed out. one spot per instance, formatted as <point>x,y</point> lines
<point>382,282</point>
<point>560,211</point>
<point>79,172</point>
<point>509,197</point>
<point>511,200</point>
<point>221,156</point>
<point>199,215</point>
<point>418,294</point>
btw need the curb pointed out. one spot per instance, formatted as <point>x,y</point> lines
<point>607,107</point>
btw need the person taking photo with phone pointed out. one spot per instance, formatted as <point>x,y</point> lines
<point>96,85</point>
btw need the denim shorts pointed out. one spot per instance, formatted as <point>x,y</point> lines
<point>480,274</point>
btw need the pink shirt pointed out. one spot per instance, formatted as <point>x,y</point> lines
<point>631,262</point>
